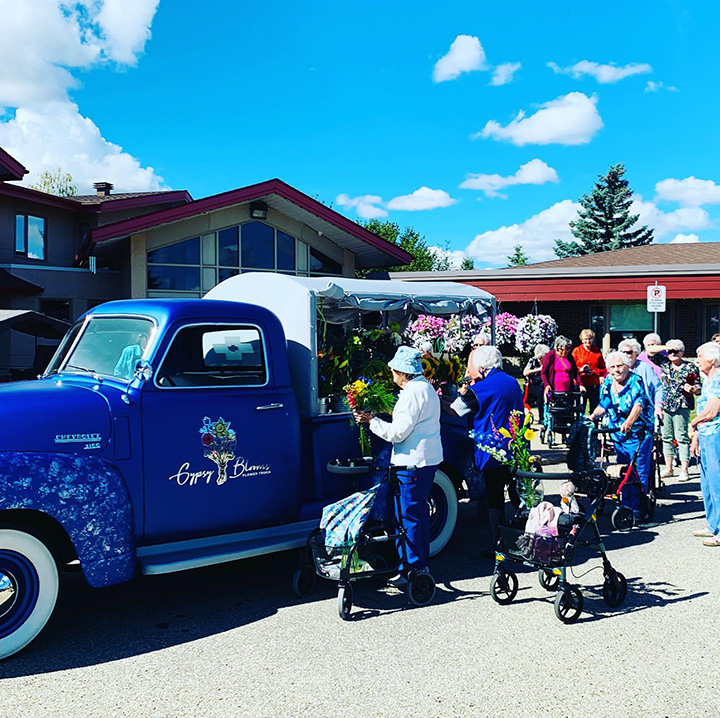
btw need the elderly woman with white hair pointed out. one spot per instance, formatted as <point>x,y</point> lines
<point>706,442</point>
<point>492,398</point>
<point>414,433</point>
<point>654,352</point>
<point>624,400</point>
<point>681,382</point>
<point>650,380</point>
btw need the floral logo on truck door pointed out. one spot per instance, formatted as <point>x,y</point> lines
<point>219,442</point>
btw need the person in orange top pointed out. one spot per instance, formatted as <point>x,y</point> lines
<point>591,366</point>
<point>472,375</point>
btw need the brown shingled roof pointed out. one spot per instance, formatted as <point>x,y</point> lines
<point>650,254</point>
<point>96,199</point>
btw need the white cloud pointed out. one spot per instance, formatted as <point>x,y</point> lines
<point>44,42</point>
<point>421,199</point>
<point>685,239</point>
<point>57,135</point>
<point>125,25</point>
<point>504,73</point>
<point>604,74</point>
<point>466,54</point>
<point>537,235</point>
<point>369,206</point>
<point>365,206</point>
<point>454,258</point>
<point>655,86</point>
<point>664,223</point>
<point>533,172</point>
<point>571,119</point>
<point>690,192</point>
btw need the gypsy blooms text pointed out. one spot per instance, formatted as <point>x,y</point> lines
<point>238,469</point>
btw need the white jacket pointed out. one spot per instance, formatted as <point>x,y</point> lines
<point>415,427</point>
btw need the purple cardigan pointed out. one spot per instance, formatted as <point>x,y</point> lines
<point>548,369</point>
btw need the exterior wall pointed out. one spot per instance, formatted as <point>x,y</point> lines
<point>56,275</point>
<point>199,225</point>
<point>598,289</point>
<point>62,230</point>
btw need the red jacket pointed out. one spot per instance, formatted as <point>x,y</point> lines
<point>594,358</point>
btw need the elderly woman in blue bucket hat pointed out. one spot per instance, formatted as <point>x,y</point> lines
<point>414,433</point>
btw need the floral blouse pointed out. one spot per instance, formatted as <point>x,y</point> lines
<point>618,406</point>
<point>673,381</point>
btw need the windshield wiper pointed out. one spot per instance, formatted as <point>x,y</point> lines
<point>82,368</point>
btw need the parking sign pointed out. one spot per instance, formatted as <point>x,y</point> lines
<point>656,298</point>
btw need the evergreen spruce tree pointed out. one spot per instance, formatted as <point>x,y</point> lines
<point>467,263</point>
<point>604,220</point>
<point>518,258</point>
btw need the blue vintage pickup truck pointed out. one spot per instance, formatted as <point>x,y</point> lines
<point>168,434</point>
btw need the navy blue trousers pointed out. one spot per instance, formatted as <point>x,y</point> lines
<point>415,488</point>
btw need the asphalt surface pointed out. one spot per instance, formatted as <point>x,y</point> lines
<point>232,640</point>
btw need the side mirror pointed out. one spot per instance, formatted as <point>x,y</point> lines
<point>143,371</point>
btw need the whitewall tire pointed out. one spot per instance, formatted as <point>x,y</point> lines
<point>29,585</point>
<point>443,512</point>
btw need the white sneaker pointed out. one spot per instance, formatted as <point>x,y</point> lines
<point>666,473</point>
<point>684,476</point>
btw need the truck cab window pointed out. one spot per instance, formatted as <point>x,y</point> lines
<point>202,356</point>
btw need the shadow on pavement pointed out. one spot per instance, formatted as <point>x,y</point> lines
<point>150,613</point>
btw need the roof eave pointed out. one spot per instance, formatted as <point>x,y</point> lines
<point>14,170</point>
<point>559,272</point>
<point>246,194</point>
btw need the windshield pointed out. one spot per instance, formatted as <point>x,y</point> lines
<point>109,346</point>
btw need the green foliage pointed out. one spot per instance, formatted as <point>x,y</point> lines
<point>56,183</point>
<point>518,258</point>
<point>467,263</point>
<point>604,221</point>
<point>412,242</point>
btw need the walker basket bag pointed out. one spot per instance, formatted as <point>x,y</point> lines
<point>535,548</point>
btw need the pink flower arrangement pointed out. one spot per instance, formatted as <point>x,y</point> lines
<point>505,328</point>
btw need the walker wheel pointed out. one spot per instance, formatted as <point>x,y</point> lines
<point>303,582</point>
<point>421,589</point>
<point>548,580</point>
<point>614,589</point>
<point>569,604</point>
<point>345,601</point>
<point>623,519</point>
<point>504,587</point>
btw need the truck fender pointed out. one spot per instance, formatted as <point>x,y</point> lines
<point>87,496</point>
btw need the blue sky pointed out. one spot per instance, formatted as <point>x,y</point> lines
<point>346,101</point>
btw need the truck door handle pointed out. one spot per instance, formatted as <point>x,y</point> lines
<point>269,406</point>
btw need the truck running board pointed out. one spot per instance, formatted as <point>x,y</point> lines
<point>194,553</point>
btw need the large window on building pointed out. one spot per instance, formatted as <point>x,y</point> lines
<point>30,236</point>
<point>195,265</point>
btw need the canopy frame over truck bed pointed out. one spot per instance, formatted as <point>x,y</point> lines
<point>296,301</point>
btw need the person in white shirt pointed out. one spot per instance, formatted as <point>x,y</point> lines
<point>415,435</point>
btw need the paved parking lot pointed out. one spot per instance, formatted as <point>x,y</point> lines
<point>233,641</point>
